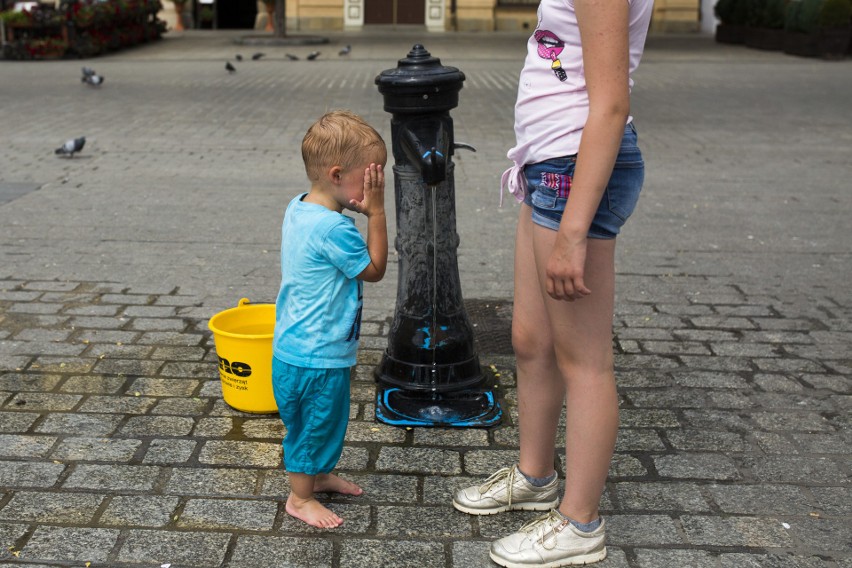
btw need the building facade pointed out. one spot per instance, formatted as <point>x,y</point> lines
<point>459,15</point>
<point>434,15</point>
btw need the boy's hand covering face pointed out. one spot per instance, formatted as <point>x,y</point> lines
<point>374,192</point>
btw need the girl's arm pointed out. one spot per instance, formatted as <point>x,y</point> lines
<point>604,35</point>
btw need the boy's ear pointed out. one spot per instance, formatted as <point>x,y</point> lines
<point>334,174</point>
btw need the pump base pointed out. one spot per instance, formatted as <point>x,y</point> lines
<point>470,408</point>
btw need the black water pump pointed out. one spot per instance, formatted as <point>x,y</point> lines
<point>430,373</point>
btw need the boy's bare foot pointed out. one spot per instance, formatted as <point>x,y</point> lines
<point>330,483</point>
<point>312,512</point>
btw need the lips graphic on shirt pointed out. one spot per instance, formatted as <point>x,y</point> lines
<point>549,46</point>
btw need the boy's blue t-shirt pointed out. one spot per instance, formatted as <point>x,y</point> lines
<point>318,310</point>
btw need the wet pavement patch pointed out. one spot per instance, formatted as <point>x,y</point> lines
<point>492,325</point>
<point>9,191</point>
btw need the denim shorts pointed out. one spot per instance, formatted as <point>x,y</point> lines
<point>549,183</point>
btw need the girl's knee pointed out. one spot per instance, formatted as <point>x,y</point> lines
<point>530,345</point>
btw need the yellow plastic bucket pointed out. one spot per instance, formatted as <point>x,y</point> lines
<point>243,339</point>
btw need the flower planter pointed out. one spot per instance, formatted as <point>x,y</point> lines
<point>803,45</point>
<point>179,9</point>
<point>270,16</point>
<point>765,38</point>
<point>16,31</point>
<point>730,33</point>
<point>826,43</point>
<point>57,53</point>
<point>83,28</point>
<point>833,43</point>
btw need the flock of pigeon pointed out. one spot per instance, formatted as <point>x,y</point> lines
<point>90,77</point>
<point>229,67</point>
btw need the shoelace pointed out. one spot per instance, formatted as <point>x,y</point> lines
<point>506,474</point>
<point>541,528</point>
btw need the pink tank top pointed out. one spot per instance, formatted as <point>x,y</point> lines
<point>553,104</point>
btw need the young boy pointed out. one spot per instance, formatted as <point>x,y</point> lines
<point>324,262</point>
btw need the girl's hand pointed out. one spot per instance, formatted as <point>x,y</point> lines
<point>373,202</point>
<point>565,269</point>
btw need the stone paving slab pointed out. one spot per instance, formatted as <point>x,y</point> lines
<point>732,333</point>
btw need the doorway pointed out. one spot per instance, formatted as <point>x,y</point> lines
<point>395,12</point>
<point>235,14</point>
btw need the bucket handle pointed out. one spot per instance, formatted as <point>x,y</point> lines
<point>246,301</point>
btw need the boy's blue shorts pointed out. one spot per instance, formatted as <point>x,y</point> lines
<point>314,406</point>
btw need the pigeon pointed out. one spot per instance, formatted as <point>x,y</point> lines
<point>291,57</point>
<point>90,77</point>
<point>229,67</point>
<point>71,146</point>
<point>313,55</point>
<point>239,57</point>
<point>257,56</point>
<point>94,80</point>
<point>346,50</point>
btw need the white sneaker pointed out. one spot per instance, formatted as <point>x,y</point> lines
<point>548,542</point>
<point>506,490</point>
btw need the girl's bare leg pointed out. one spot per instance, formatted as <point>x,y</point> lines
<point>540,386</point>
<point>582,332</point>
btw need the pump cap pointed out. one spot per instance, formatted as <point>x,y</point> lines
<point>420,84</point>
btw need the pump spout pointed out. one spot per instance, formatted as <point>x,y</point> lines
<point>429,158</point>
<point>434,167</point>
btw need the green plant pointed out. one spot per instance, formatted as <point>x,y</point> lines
<point>835,14</point>
<point>808,19</point>
<point>13,18</point>
<point>47,47</point>
<point>84,16</point>
<point>755,13</point>
<point>731,12</point>
<point>206,14</point>
<point>791,15</point>
<point>773,14</point>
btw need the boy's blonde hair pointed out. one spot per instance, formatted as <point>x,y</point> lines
<point>340,138</point>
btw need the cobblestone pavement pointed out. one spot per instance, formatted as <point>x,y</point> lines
<point>733,325</point>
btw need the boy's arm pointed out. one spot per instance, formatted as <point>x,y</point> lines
<point>377,246</point>
<point>373,206</point>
